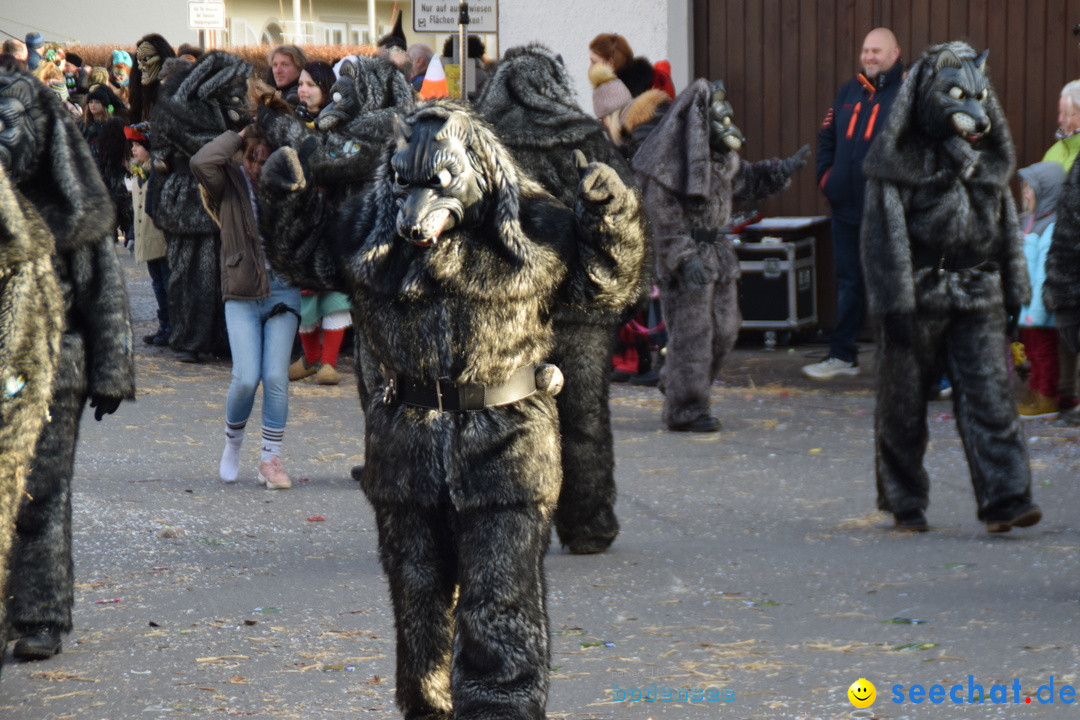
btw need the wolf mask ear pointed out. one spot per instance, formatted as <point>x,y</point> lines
<point>947,59</point>
<point>458,126</point>
<point>402,132</point>
<point>980,61</point>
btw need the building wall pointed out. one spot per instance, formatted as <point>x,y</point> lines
<point>782,62</point>
<point>656,29</point>
<point>120,22</point>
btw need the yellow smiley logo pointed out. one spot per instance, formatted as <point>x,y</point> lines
<point>862,693</point>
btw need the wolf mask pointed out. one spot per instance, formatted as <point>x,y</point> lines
<point>724,135</point>
<point>366,84</point>
<point>436,183</point>
<point>217,84</point>
<point>953,99</point>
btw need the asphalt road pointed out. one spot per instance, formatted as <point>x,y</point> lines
<point>752,575</point>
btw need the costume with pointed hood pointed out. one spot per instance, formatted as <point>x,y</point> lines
<point>529,100</point>
<point>944,266</point>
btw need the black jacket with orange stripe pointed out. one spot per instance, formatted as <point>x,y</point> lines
<point>856,116</point>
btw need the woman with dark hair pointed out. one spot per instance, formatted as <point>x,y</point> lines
<point>113,151</point>
<point>151,52</point>
<point>324,316</point>
<point>313,89</point>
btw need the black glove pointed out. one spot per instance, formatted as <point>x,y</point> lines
<point>693,273</point>
<point>1068,326</point>
<point>899,328</point>
<point>796,161</point>
<point>104,405</point>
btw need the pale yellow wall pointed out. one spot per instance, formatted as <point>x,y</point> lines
<point>251,18</point>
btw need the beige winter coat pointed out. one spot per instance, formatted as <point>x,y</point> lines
<point>149,239</point>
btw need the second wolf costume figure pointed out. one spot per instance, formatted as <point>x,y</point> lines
<point>31,322</point>
<point>944,265</point>
<point>691,175</point>
<point>454,260</point>
<point>50,165</point>
<point>530,102</point>
<point>196,103</point>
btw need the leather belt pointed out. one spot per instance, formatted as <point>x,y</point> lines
<point>952,262</point>
<point>446,396</point>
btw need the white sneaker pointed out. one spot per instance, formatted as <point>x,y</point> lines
<point>830,368</point>
<point>272,474</point>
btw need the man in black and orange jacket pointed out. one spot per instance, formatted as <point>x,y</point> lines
<point>855,117</point>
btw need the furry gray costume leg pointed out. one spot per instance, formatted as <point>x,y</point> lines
<point>585,518</point>
<point>703,326</point>
<point>196,309</point>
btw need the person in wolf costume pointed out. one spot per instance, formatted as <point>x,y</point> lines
<point>690,175</point>
<point>530,103</point>
<point>31,323</point>
<point>455,261</point>
<point>151,52</point>
<point>945,272</point>
<point>346,148</point>
<point>196,103</point>
<point>50,165</point>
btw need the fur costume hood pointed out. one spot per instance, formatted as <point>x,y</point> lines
<point>52,165</point>
<point>209,94</point>
<point>677,153</point>
<point>531,98</point>
<point>899,155</point>
<point>366,84</point>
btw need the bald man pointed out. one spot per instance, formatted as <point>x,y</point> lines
<point>855,117</point>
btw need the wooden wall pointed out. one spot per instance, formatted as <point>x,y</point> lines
<point>783,61</point>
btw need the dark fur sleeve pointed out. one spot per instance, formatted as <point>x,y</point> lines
<point>757,181</point>
<point>1061,288</point>
<point>886,251</point>
<point>1014,273</point>
<point>612,242</point>
<point>296,224</point>
<point>102,304</point>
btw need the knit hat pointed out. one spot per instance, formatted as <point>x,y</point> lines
<point>74,59</point>
<point>121,57</point>
<point>98,94</point>
<point>609,92</point>
<point>139,133</point>
<point>34,40</point>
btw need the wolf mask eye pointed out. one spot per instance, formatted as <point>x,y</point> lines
<point>983,95</point>
<point>443,178</point>
<point>337,97</point>
<point>956,93</point>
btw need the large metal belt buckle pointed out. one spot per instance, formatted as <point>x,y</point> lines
<point>439,390</point>
<point>389,393</point>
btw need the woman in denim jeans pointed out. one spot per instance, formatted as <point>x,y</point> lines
<point>261,309</point>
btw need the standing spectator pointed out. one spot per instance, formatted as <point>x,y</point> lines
<point>1041,187</point>
<point>1064,151</point>
<point>858,113</point>
<point>16,48</point>
<point>324,316</point>
<point>34,43</point>
<point>77,77</point>
<point>420,55</point>
<point>261,309</point>
<point>149,239</point>
<point>54,79</point>
<point>286,62</point>
<point>112,161</point>
<point>120,75</point>
<point>96,112</point>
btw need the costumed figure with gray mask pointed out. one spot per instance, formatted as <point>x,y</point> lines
<point>691,176</point>
<point>943,259</point>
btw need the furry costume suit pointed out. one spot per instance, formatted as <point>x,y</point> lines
<point>690,175</point>
<point>944,266</point>
<point>529,101</point>
<point>345,153</point>
<point>454,261</point>
<point>53,169</point>
<point>31,322</point>
<point>196,103</point>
